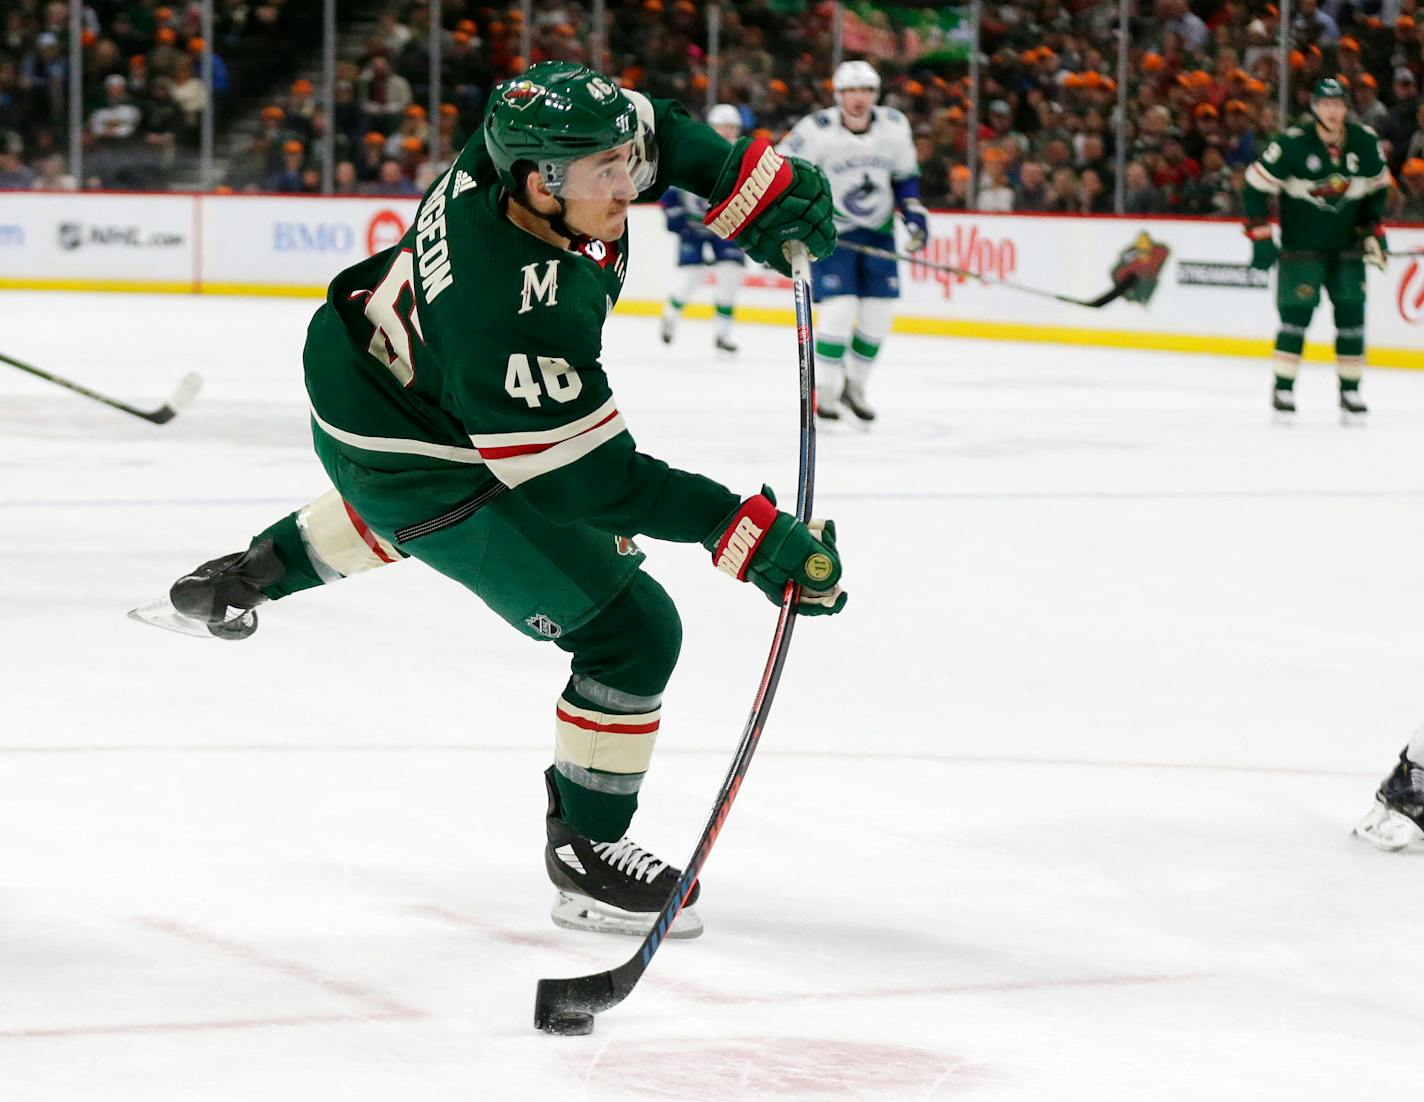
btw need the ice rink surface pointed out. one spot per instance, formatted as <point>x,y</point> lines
<point>1059,809</point>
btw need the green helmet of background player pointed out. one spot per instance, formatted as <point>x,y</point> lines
<point>1328,88</point>
<point>556,112</point>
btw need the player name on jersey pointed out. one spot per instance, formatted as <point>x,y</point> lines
<point>432,250</point>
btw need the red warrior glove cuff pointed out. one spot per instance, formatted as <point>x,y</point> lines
<point>1258,231</point>
<point>743,535</point>
<point>762,176</point>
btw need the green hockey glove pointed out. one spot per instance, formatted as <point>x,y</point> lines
<point>763,200</point>
<point>760,544</point>
<point>1374,246</point>
<point>1263,246</point>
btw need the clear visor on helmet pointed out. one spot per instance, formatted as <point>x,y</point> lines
<point>618,173</point>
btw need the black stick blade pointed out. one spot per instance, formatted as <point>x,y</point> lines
<point>186,391</point>
<point>560,1004</point>
<point>1115,292</point>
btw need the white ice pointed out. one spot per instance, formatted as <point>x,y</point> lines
<point>1058,810</point>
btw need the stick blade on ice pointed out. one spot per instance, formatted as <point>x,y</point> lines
<point>182,397</point>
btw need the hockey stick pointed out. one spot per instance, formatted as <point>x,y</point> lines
<point>1118,289</point>
<point>567,1006</point>
<point>187,389</point>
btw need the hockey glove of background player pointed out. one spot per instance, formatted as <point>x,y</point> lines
<point>762,200</point>
<point>1263,245</point>
<point>212,592</point>
<point>1374,245</point>
<point>917,225</point>
<point>759,543</point>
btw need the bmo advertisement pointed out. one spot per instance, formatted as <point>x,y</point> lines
<point>251,241</point>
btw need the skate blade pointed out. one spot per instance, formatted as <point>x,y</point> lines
<point>1283,417</point>
<point>1388,830</point>
<point>1353,420</point>
<point>162,614</point>
<point>579,912</point>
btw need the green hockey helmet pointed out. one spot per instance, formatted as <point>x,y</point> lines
<point>1328,88</point>
<point>557,112</point>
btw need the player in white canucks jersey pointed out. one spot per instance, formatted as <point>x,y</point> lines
<point>868,152</point>
<point>698,247</point>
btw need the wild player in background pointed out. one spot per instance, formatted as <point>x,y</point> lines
<point>1397,819</point>
<point>697,247</point>
<point>1332,183</point>
<point>868,152</point>
<point>461,409</point>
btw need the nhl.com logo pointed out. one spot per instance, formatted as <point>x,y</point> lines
<point>1411,293</point>
<point>72,235</point>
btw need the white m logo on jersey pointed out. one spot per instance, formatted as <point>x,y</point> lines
<point>536,288</point>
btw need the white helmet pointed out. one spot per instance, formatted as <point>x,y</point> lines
<point>855,74</point>
<point>724,114</point>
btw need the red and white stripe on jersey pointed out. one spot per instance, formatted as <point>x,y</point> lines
<point>1262,180</point>
<point>338,541</point>
<point>606,741</point>
<point>516,457</point>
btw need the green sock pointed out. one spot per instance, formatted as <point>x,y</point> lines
<point>602,816</point>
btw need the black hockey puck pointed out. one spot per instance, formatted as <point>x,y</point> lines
<point>567,1023</point>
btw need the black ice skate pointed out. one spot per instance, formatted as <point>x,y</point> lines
<point>1352,407</point>
<point>609,887</point>
<point>1283,400</point>
<point>853,398</point>
<point>828,405</point>
<point>1397,819</point>
<point>724,344</point>
<point>666,328</point>
<point>219,598</point>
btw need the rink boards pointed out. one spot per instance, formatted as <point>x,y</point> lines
<point>1194,292</point>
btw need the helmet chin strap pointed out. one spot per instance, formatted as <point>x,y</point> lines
<point>554,221</point>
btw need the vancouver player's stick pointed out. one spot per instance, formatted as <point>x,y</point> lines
<point>184,393</point>
<point>1118,289</point>
<point>567,1006</point>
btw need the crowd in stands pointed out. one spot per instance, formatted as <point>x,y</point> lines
<point>141,95</point>
<point>1202,92</point>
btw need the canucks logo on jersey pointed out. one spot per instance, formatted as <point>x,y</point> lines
<point>861,200</point>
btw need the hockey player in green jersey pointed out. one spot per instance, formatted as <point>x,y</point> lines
<point>1332,183</point>
<point>461,409</point>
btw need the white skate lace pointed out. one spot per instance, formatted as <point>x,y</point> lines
<point>625,856</point>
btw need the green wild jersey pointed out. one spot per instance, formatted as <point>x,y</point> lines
<point>1324,193</point>
<point>473,344</point>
